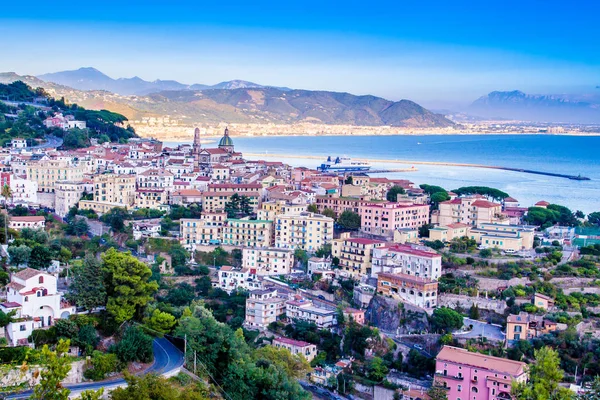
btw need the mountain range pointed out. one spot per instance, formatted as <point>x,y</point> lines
<point>231,102</point>
<point>516,105</point>
<point>88,78</point>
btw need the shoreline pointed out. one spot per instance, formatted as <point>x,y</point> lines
<point>186,139</point>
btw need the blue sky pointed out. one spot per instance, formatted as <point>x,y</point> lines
<point>435,52</point>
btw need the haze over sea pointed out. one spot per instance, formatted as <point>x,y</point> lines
<point>571,155</point>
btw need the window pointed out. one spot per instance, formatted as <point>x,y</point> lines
<point>26,299</point>
<point>459,388</point>
<point>474,390</point>
<point>23,328</point>
<point>41,280</point>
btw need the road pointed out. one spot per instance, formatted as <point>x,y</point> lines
<point>481,329</point>
<point>51,142</point>
<point>167,358</point>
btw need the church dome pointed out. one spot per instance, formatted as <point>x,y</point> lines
<point>226,140</point>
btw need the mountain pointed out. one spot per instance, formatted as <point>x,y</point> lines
<point>89,78</point>
<point>583,109</point>
<point>252,105</point>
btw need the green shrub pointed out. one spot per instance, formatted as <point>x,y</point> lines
<point>134,346</point>
<point>102,364</point>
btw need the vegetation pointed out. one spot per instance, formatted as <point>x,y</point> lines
<point>488,192</point>
<point>392,194</point>
<point>349,220</point>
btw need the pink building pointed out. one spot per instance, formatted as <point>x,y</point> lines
<point>386,217</point>
<point>475,376</point>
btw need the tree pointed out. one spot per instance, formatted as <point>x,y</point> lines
<point>392,194</point>
<point>312,208</point>
<point>160,321</point>
<point>232,207</point>
<point>324,251</point>
<point>349,220</point>
<point>328,212</point>
<point>491,193</point>
<point>438,197</point>
<point>424,230</point>
<point>594,218</point>
<point>474,312</point>
<point>77,226</point>
<point>446,320</point>
<point>377,370</point>
<point>55,368</point>
<point>134,346</point>
<point>40,257</point>
<point>154,387</point>
<point>348,180</point>
<point>19,254</point>
<point>7,318</point>
<point>594,391</point>
<point>127,284</point>
<point>6,194</point>
<point>485,253</point>
<point>87,289</point>
<point>295,365</point>
<point>544,378</point>
<point>115,218</point>
<point>301,256</point>
<point>437,392</point>
<point>87,338</point>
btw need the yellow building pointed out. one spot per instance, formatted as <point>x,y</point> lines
<point>151,198</point>
<point>115,189</point>
<point>470,210</point>
<point>216,201</point>
<point>306,231</point>
<point>524,326</point>
<point>246,232</point>
<point>355,254</point>
<point>543,301</point>
<point>208,229</point>
<point>47,172</point>
<point>504,237</point>
<point>449,232</point>
<point>270,209</point>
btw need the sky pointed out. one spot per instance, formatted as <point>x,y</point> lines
<point>438,53</point>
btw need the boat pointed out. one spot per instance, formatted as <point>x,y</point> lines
<point>344,164</point>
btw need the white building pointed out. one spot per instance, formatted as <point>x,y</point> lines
<point>297,347</point>
<point>263,307</point>
<point>268,260</point>
<point>23,190</point>
<point>33,222</point>
<point>18,143</point>
<point>231,279</point>
<point>146,228</point>
<point>305,310</point>
<point>318,265</point>
<point>38,303</point>
<point>405,259</point>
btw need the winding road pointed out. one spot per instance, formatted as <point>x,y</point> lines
<point>167,359</point>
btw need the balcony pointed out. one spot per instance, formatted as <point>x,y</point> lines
<point>456,377</point>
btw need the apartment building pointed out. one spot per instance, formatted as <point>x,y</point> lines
<point>297,347</point>
<point>23,190</point>
<point>231,279</point>
<point>155,178</point>
<point>216,200</point>
<point>386,217</point>
<point>47,172</point>
<point>503,237</point>
<point>247,232</point>
<point>355,254</point>
<point>447,233</point>
<point>304,310</point>
<point>68,194</point>
<point>418,261</point>
<point>263,307</point>
<point>208,229</point>
<point>420,292</point>
<point>264,261</point>
<point>338,204</point>
<point>468,375</point>
<point>306,231</point>
<point>115,189</point>
<point>270,209</point>
<point>151,198</point>
<point>469,210</point>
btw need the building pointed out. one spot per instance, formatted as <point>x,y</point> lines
<point>262,308</point>
<point>226,143</point>
<point>213,201</point>
<point>35,297</point>
<point>208,229</point>
<point>469,210</point>
<point>447,233</point>
<point>297,347</point>
<point>406,235</point>
<point>304,310</point>
<point>271,209</point>
<point>524,326</point>
<point>63,122</point>
<point>247,232</point>
<point>18,143</point>
<point>354,254</point>
<point>231,279</point>
<point>155,179</point>
<point>384,218</point>
<point>67,195</point>
<point>477,376</point>
<point>151,198</point>
<point>33,222</point>
<point>503,237</point>
<point>417,261</point>
<point>355,315</point>
<point>542,301</point>
<point>318,265</point>
<point>47,172</point>
<point>338,204</point>
<point>306,231</point>
<point>23,190</point>
<point>268,260</point>
<point>110,191</point>
<point>421,292</point>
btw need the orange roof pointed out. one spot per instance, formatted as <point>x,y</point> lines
<point>485,204</point>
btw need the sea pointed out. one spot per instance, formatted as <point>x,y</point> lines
<point>572,155</point>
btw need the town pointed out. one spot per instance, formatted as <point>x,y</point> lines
<point>263,280</point>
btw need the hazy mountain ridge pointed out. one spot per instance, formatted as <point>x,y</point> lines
<point>250,105</point>
<point>539,108</point>
<point>88,78</point>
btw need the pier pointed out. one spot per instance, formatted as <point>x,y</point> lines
<point>412,169</point>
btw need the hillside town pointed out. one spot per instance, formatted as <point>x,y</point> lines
<point>374,288</point>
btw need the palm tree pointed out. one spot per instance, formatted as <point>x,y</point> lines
<point>6,193</point>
